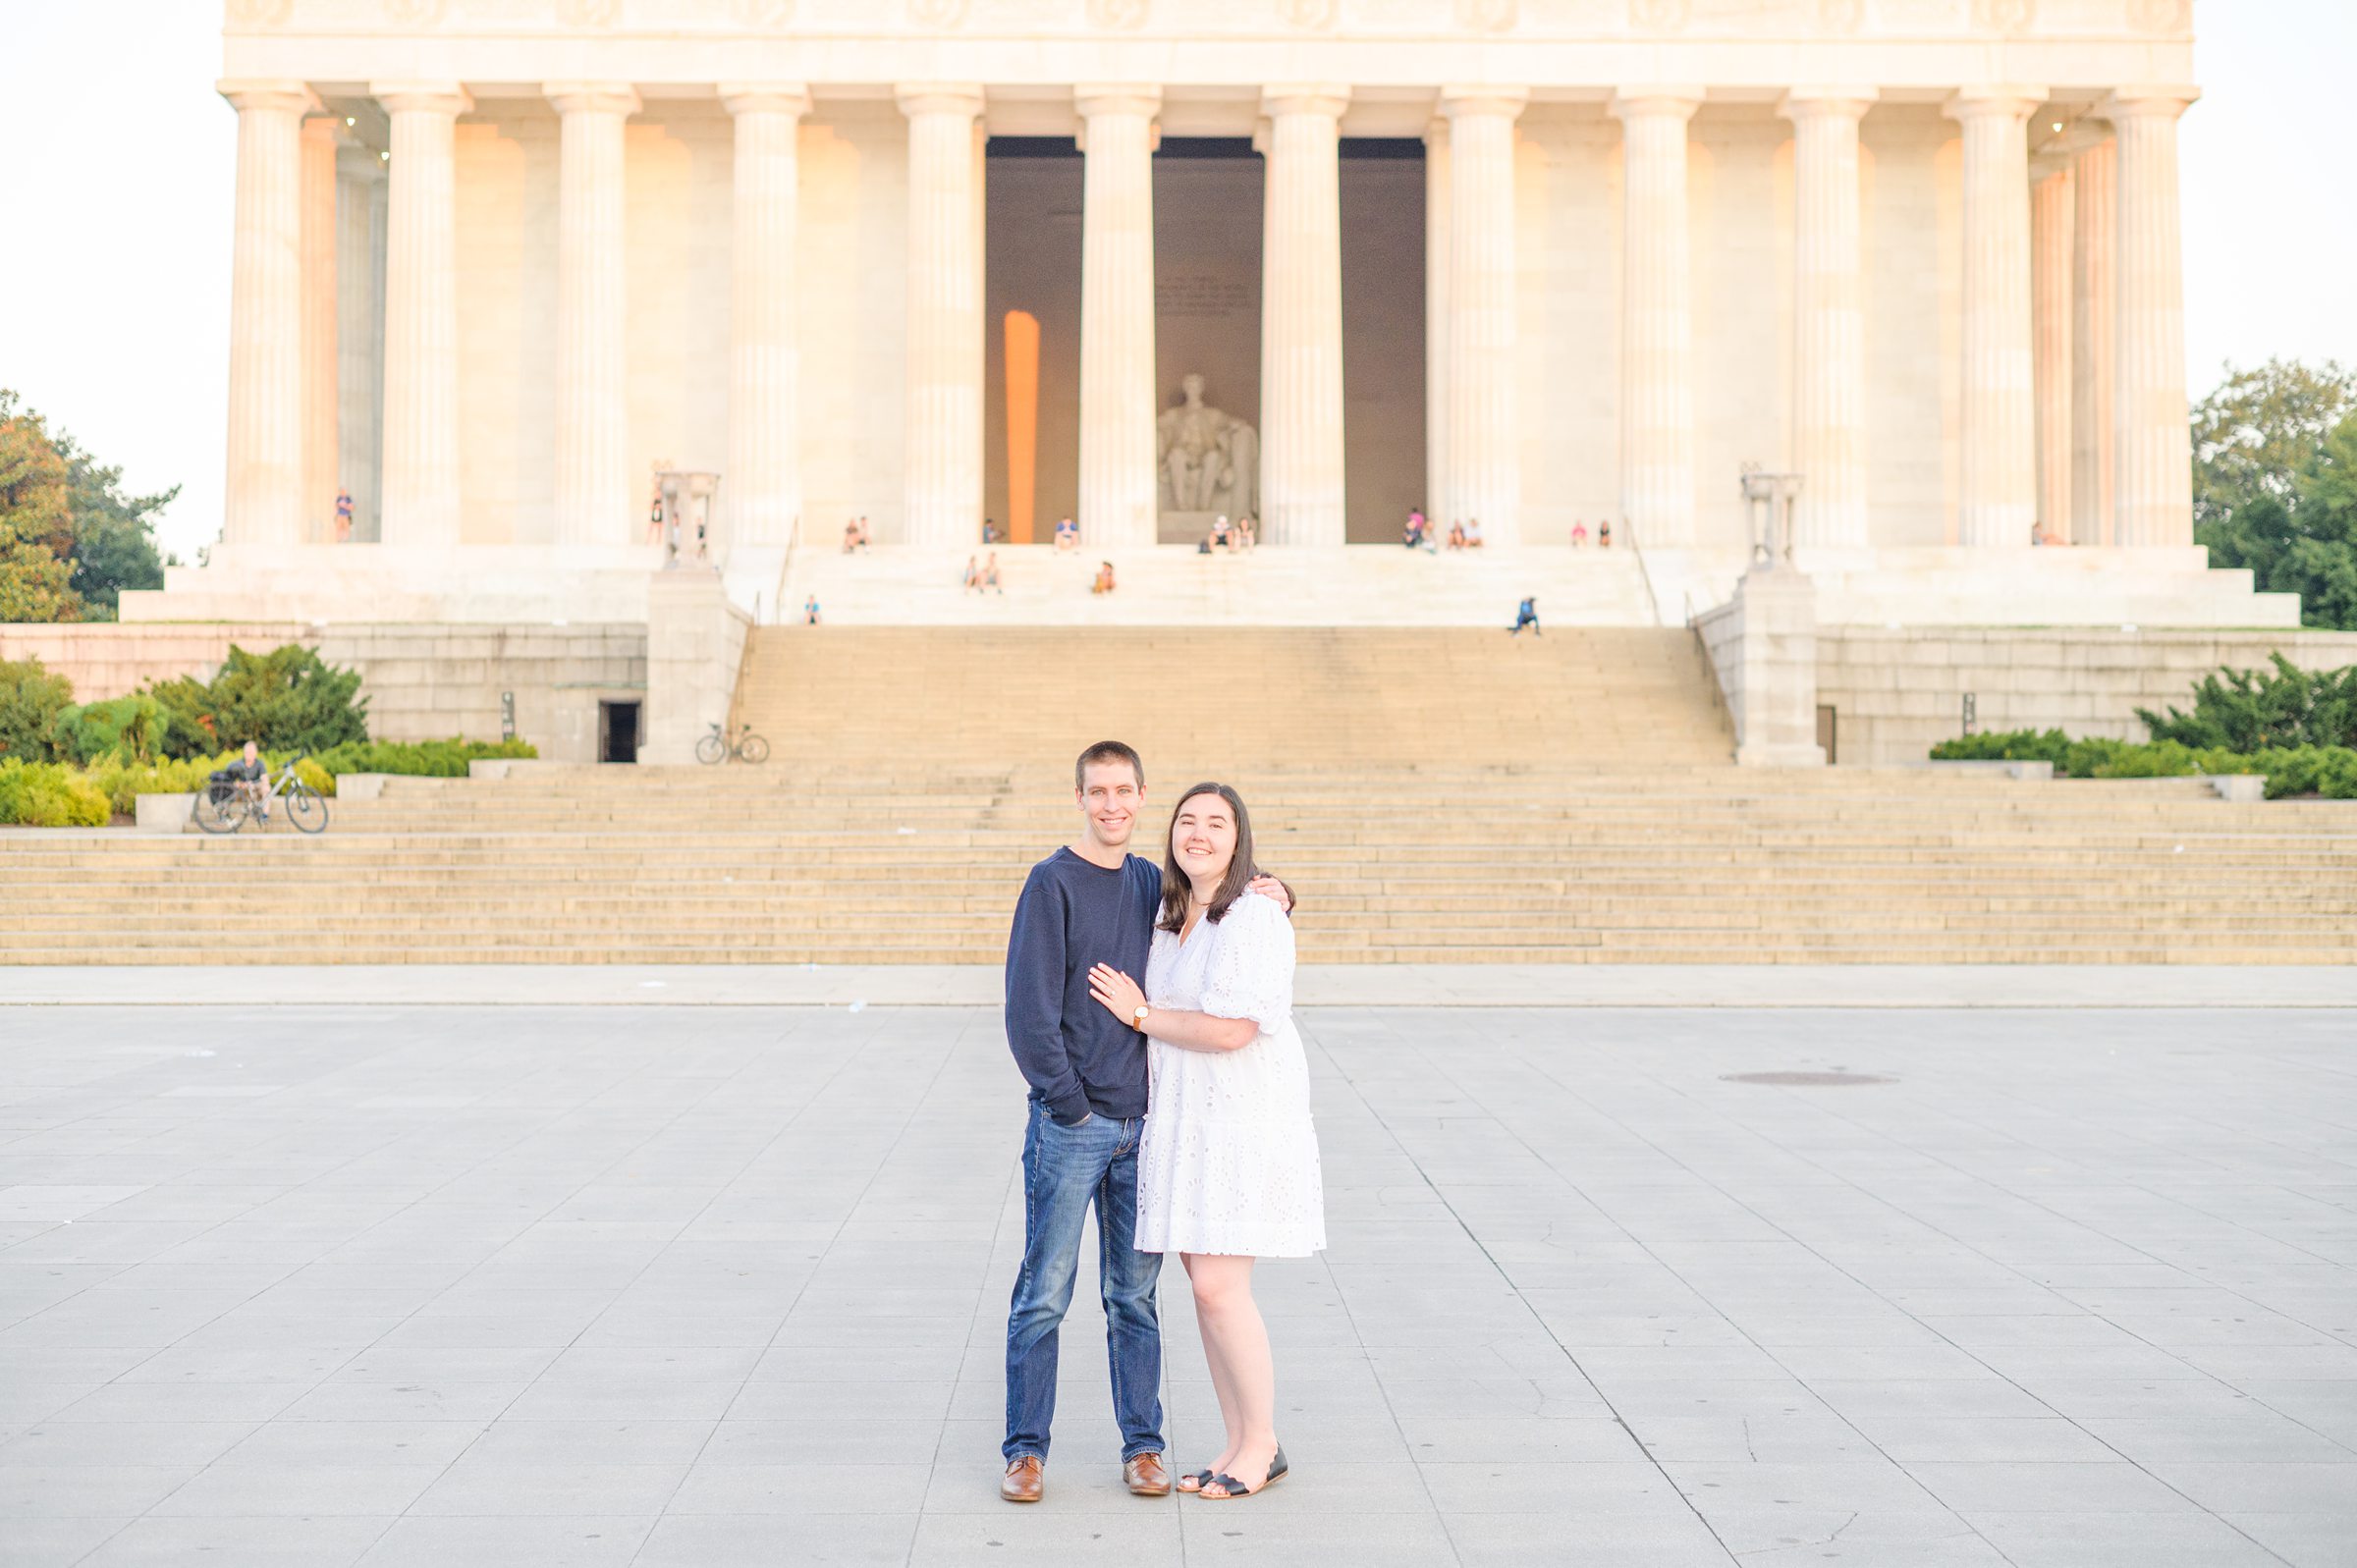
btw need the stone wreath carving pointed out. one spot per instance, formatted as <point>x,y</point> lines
<point>1314,16</point>
<point>2006,16</point>
<point>1658,16</point>
<point>763,13</point>
<point>936,13</point>
<point>1839,16</point>
<point>414,13</point>
<point>1121,16</point>
<point>1487,16</point>
<point>259,13</point>
<point>588,13</point>
<point>2160,16</point>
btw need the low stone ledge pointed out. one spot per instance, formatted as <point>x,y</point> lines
<point>360,785</point>
<point>2240,788</point>
<point>163,813</point>
<point>2036,772</point>
<point>512,767</point>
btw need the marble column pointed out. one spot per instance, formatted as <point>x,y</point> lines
<point>322,471</point>
<point>595,498</point>
<point>359,302</point>
<point>1828,317</point>
<point>761,491</point>
<point>1485,429</point>
<point>943,504</point>
<point>2094,306</point>
<point>264,501</point>
<point>2151,464</point>
<point>1119,489</point>
<point>1656,324</point>
<point>1436,323</point>
<point>419,481</point>
<point>1999,496</point>
<point>2054,219</point>
<point>1302,473</point>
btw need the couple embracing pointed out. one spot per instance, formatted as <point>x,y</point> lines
<point>1179,1107</point>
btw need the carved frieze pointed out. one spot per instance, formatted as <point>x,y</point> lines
<point>2161,16</point>
<point>936,13</point>
<point>1839,16</point>
<point>588,13</point>
<point>259,13</point>
<point>1313,16</point>
<point>1659,16</point>
<point>2003,16</point>
<point>1119,16</point>
<point>414,13</point>
<point>1487,16</point>
<point>761,13</point>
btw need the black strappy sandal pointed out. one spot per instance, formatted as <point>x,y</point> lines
<point>1234,1488</point>
<point>1199,1478</point>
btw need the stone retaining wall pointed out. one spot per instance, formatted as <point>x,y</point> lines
<point>423,682</point>
<point>1897,694</point>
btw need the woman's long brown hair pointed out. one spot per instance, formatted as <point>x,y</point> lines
<point>1178,887</point>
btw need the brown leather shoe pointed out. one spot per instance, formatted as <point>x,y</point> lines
<point>1026,1479</point>
<point>1146,1476</point>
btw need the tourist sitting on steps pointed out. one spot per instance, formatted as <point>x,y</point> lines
<point>251,771</point>
<point>1104,582</point>
<point>810,610</point>
<point>1604,534</point>
<point>1247,534</point>
<point>1472,534</point>
<point>1456,536</point>
<point>1068,536</point>
<point>990,530</point>
<point>1579,533</point>
<point>974,576</point>
<point>1223,533</point>
<point>990,576</point>
<point>1526,614</point>
<point>1412,535</point>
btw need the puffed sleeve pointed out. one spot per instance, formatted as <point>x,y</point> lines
<point>1250,973</point>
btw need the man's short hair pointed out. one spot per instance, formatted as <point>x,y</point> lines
<point>1108,751</point>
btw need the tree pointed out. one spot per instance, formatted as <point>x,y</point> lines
<point>289,699</point>
<point>114,533</point>
<point>31,699</point>
<point>2305,542</point>
<point>2252,435</point>
<point>37,521</point>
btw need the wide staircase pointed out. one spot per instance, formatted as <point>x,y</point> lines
<point>1434,796</point>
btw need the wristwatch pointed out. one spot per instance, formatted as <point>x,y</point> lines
<point>1138,1018</point>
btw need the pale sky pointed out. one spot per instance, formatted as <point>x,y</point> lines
<point>114,281</point>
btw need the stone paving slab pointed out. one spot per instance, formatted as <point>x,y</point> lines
<point>1680,986</point>
<point>356,1283</point>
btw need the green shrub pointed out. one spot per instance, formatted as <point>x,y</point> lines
<point>2251,710</point>
<point>289,699</point>
<point>2328,771</point>
<point>48,794</point>
<point>31,699</point>
<point>428,759</point>
<point>123,780</point>
<point>2005,745</point>
<point>134,727</point>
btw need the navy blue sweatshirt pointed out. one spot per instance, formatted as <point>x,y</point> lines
<point>1078,1057</point>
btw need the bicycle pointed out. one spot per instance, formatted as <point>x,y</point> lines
<point>716,748</point>
<point>225,804</point>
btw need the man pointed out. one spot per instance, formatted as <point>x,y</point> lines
<point>1088,903</point>
<point>1526,614</point>
<point>250,774</point>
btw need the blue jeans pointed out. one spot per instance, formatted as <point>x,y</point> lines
<point>1064,1170</point>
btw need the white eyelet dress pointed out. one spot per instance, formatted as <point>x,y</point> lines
<point>1228,1162</point>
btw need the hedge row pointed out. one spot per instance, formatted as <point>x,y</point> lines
<point>56,794</point>
<point>2327,770</point>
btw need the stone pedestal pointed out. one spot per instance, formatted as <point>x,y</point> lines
<point>1763,646</point>
<point>695,643</point>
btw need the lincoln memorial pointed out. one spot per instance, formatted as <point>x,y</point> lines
<point>500,264</point>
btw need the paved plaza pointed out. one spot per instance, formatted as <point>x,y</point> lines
<point>668,1285</point>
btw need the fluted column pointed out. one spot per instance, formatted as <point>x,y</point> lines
<point>1301,478</point>
<point>762,490</point>
<point>420,479</point>
<point>1998,496</point>
<point>1436,323</point>
<point>1828,317</point>
<point>359,220</point>
<point>321,412</point>
<point>2095,307</point>
<point>594,497</point>
<point>1657,322</point>
<point>1118,402</point>
<point>2152,457</point>
<point>2054,219</point>
<point>263,503</point>
<point>944,461</point>
<point>1484,428</point>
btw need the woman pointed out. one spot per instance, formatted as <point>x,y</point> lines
<point>1228,1166</point>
